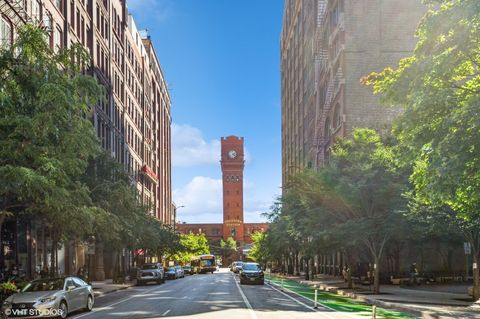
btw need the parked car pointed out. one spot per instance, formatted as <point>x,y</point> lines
<point>172,273</point>
<point>187,270</point>
<point>237,266</point>
<point>251,273</point>
<point>181,273</point>
<point>151,272</point>
<point>51,297</point>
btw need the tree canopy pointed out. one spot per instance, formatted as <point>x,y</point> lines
<point>46,137</point>
<point>439,132</point>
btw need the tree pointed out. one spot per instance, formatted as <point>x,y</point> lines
<point>366,179</point>
<point>281,244</point>
<point>228,247</point>
<point>46,137</point>
<point>259,251</point>
<point>439,89</point>
<point>191,245</point>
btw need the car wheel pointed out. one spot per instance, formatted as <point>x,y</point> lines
<point>163,279</point>
<point>241,282</point>
<point>89,305</point>
<point>63,309</point>
<point>262,282</point>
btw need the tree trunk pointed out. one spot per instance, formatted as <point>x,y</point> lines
<point>295,264</point>
<point>52,258</point>
<point>476,279</point>
<point>376,276</point>
<point>99,268</point>
<point>310,268</point>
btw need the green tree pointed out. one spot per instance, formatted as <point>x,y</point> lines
<point>46,137</point>
<point>439,89</point>
<point>281,240</point>
<point>191,245</point>
<point>259,251</point>
<point>364,174</point>
<point>228,247</point>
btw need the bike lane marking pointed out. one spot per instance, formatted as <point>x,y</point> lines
<point>309,307</point>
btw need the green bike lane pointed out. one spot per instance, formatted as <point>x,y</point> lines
<point>336,302</point>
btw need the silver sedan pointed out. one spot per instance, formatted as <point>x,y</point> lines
<point>45,298</point>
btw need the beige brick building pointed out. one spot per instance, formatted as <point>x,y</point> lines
<point>134,122</point>
<point>327,46</point>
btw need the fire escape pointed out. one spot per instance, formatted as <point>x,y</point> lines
<point>321,64</point>
<point>16,11</point>
<point>330,86</point>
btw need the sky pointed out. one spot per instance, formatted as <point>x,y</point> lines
<point>221,60</point>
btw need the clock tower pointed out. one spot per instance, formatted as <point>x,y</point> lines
<point>232,175</point>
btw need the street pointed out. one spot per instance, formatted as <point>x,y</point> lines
<point>204,296</point>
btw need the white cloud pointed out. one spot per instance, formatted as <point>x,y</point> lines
<point>158,10</point>
<point>189,148</point>
<point>203,202</point>
<point>202,198</point>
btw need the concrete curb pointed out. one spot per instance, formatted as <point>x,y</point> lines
<point>387,304</point>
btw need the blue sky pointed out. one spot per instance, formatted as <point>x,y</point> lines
<point>221,62</point>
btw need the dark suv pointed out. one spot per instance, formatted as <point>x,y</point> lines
<point>251,273</point>
<point>151,272</point>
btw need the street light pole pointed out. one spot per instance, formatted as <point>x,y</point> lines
<point>175,217</point>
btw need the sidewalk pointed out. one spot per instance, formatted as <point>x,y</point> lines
<point>101,288</point>
<point>427,301</point>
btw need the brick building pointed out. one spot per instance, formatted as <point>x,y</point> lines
<point>133,123</point>
<point>327,46</point>
<point>232,165</point>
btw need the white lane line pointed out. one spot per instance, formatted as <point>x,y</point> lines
<point>166,313</point>
<point>253,315</point>
<point>95,310</point>
<point>309,307</point>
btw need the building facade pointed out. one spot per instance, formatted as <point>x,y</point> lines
<point>232,164</point>
<point>327,46</point>
<point>133,122</point>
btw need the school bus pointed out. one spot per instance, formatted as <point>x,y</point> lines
<point>203,264</point>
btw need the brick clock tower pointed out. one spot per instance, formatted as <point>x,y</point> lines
<point>232,173</point>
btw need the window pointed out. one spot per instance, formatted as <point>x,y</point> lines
<point>49,27</point>
<point>5,32</point>
<point>57,41</point>
<point>337,118</point>
<point>36,10</point>
<point>72,15</point>
<point>326,132</point>
<point>58,4</point>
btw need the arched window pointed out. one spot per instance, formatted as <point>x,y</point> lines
<point>5,32</point>
<point>326,132</point>
<point>337,117</point>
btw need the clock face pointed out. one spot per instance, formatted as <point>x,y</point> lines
<point>232,154</point>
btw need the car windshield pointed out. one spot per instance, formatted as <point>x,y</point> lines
<point>171,269</point>
<point>149,266</point>
<point>251,267</point>
<point>44,285</point>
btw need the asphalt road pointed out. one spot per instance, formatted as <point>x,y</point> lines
<point>216,296</point>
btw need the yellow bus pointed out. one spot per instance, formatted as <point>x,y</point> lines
<point>203,264</point>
